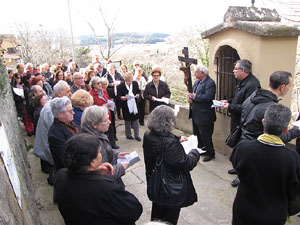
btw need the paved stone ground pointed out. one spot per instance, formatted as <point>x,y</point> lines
<point>212,183</point>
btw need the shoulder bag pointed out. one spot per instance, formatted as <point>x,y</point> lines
<point>166,188</point>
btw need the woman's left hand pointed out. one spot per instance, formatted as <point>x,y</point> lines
<point>121,155</point>
<point>106,168</point>
<point>183,138</point>
<point>137,96</point>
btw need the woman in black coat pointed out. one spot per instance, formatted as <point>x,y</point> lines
<point>156,89</point>
<point>160,123</point>
<point>129,105</point>
<point>84,195</point>
<point>17,83</point>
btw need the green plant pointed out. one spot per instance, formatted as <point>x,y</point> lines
<point>178,95</point>
<point>3,78</point>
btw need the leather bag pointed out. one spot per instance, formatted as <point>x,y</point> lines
<point>234,137</point>
<point>166,188</point>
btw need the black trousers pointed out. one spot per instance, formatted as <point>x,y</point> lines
<point>170,215</point>
<point>141,108</point>
<point>204,136</point>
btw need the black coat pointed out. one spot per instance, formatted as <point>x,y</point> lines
<point>57,137</point>
<point>94,199</point>
<point>19,102</point>
<point>163,91</point>
<point>122,91</point>
<point>270,176</point>
<point>242,91</point>
<point>201,110</point>
<point>257,104</point>
<point>175,159</point>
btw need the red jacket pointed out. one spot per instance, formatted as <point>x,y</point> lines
<point>98,100</point>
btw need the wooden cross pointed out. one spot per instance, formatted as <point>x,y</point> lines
<point>186,69</point>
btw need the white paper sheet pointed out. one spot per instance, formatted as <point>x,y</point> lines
<point>19,91</point>
<point>163,99</point>
<point>217,103</point>
<point>112,105</point>
<point>132,158</point>
<point>296,123</point>
<point>191,143</point>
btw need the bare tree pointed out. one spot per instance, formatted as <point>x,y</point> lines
<point>108,49</point>
<point>39,46</point>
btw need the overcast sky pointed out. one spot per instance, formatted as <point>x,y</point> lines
<point>165,16</point>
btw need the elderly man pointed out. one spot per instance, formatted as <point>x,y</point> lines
<point>136,65</point>
<point>61,130</point>
<point>78,82</point>
<point>100,70</point>
<point>269,173</point>
<point>201,112</point>
<point>41,146</point>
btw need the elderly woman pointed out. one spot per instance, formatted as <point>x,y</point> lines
<point>129,93</point>
<point>95,120</point>
<point>61,130</point>
<point>80,100</point>
<point>142,85</point>
<point>101,98</point>
<point>160,123</point>
<point>156,89</point>
<point>84,195</point>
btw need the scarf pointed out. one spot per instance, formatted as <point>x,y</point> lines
<point>132,108</point>
<point>270,139</point>
<point>69,126</point>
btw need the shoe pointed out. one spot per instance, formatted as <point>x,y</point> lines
<point>116,139</point>
<point>130,138</point>
<point>138,139</point>
<point>115,147</point>
<point>235,182</point>
<point>50,180</point>
<point>142,123</point>
<point>120,117</point>
<point>208,158</point>
<point>232,171</point>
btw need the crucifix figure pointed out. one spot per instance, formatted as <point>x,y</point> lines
<point>186,69</point>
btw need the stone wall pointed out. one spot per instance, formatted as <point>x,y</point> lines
<point>10,212</point>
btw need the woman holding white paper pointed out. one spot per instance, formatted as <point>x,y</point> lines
<point>157,91</point>
<point>129,95</point>
<point>95,120</point>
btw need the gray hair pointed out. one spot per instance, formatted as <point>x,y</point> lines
<point>162,119</point>
<point>93,115</point>
<point>59,105</point>
<point>77,74</point>
<point>34,88</point>
<point>58,87</point>
<point>99,65</point>
<point>103,79</point>
<point>93,81</point>
<point>245,64</point>
<point>204,70</point>
<point>276,119</point>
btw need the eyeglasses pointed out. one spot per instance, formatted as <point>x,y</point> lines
<point>70,111</point>
<point>237,68</point>
<point>155,75</point>
<point>98,83</point>
<point>79,78</point>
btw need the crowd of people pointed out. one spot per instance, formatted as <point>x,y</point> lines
<point>72,113</point>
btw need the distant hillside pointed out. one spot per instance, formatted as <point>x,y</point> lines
<point>121,38</point>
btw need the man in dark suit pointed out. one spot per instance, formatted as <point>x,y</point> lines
<point>100,70</point>
<point>203,116</point>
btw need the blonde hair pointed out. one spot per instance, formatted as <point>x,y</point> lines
<point>82,98</point>
<point>128,76</point>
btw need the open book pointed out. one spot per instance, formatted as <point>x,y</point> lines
<point>191,143</point>
<point>132,158</point>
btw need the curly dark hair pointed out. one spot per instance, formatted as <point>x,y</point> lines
<point>80,150</point>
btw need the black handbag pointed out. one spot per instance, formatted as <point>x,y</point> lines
<point>234,137</point>
<point>166,188</point>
